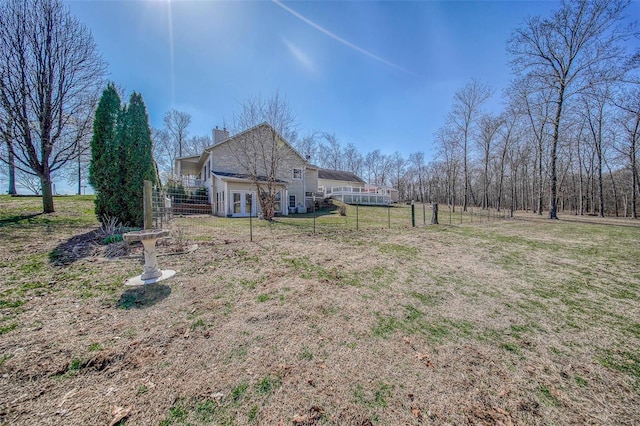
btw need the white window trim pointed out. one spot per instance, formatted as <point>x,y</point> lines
<point>293,173</point>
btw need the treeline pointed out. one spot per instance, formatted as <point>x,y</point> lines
<point>566,139</point>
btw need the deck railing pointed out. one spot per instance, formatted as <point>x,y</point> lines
<point>358,195</point>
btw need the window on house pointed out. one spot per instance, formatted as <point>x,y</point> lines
<point>292,201</point>
<point>308,194</point>
<point>297,173</point>
<point>277,202</point>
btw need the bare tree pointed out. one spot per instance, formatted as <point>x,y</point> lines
<point>176,124</point>
<point>197,144</point>
<point>164,152</point>
<point>463,116</point>
<point>559,53</point>
<point>378,167</point>
<point>398,166</point>
<point>352,159</point>
<point>262,126</point>
<point>508,132</point>
<point>331,152</point>
<point>534,105</point>
<point>50,76</point>
<point>629,119</point>
<point>596,102</point>
<point>416,160</point>
<point>307,146</point>
<point>488,130</point>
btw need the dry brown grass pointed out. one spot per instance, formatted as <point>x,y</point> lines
<point>512,322</point>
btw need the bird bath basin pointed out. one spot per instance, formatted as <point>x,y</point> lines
<point>152,274</point>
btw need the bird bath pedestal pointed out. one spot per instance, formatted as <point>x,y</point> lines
<point>151,274</point>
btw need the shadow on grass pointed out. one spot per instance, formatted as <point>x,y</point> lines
<point>310,214</point>
<point>12,220</point>
<point>143,296</point>
<point>75,248</point>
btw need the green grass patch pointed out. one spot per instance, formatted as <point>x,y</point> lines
<point>199,323</point>
<point>415,321</point>
<point>8,328</point>
<point>397,250</point>
<point>239,391</point>
<point>264,297</point>
<point>4,358</point>
<point>581,381</point>
<point>11,303</point>
<point>95,347</point>
<point>305,354</point>
<point>375,398</point>
<point>626,362</point>
<point>547,397</point>
<point>252,416</point>
<point>267,385</point>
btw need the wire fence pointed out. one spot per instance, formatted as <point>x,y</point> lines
<point>188,213</point>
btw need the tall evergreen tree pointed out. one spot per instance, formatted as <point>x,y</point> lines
<point>137,159</point>
<point>104,169</point>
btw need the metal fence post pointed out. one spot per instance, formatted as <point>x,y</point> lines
<point>251,224</point>
<point>357,224</point>
<point>413,215</point>
<point>389,216</point>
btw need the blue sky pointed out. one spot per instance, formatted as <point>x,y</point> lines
<point>380,75</point>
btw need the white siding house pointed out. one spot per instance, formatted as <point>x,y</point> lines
<point>228,173</point>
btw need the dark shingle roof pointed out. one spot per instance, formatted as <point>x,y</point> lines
<point>338,175</point>
<point>244,176</point>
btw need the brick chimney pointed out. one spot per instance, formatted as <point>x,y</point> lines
<point>220,135</point>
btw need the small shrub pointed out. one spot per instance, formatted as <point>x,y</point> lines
<point>115,238</point>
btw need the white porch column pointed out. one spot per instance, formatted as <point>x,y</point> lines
<point>284,203</point>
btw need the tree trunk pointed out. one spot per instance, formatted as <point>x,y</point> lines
<point>466,177</point>
<point>634,178</point>
<point>12,171</point>
<point>79,176</point>
<point>434,215</point>
<point>553,193</point>
<point>47,194</point>
<point>540,183</point>
<point>599,153</point>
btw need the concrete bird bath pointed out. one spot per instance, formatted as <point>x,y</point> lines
<point>152,274</point>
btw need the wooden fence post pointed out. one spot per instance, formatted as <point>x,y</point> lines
<point>434,214</point>
<point>147,205</point>
<point>413,215</point>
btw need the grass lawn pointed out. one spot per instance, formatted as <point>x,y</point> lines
<point>524,321</point>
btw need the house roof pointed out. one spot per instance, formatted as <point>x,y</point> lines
<point>199,159</point>
<point>249,130</point>
<point>338,175</point>
<point>242,176</point>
